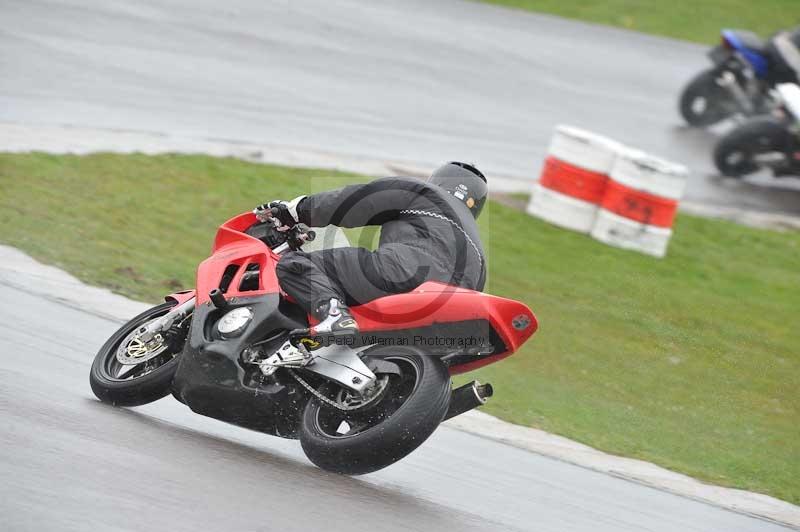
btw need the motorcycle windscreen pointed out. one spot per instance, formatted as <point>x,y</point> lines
<point>719,55</point>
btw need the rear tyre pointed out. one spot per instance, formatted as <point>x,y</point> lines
<point>376,436</point>
<point>703,102</point>
<point>735,153</point>
<point>133,385</point>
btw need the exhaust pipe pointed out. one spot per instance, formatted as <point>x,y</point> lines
<point>468,397</point>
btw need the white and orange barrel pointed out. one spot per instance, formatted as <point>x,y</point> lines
<point>573,179</point>
<point>640,202</point>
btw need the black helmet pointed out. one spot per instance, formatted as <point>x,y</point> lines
<point>463,181</point>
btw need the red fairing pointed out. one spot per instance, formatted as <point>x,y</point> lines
<point>233,247</point>
<point>434,302</point>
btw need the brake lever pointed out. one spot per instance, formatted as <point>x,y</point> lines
<point>299,235</point>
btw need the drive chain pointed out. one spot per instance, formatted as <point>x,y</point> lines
<point>321,397</point>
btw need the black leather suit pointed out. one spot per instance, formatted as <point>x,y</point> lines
<point>426,234</point>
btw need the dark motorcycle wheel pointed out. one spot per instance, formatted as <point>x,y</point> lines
<point>735,153</point>
<point>703,102</point>
<point>139,385</point>
<point>404,417</point>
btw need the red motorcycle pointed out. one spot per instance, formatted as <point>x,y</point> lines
<point>234,349</point>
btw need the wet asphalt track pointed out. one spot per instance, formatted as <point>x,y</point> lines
<point>406,80</point>
<point>69,462</point>
<point>421,81</point>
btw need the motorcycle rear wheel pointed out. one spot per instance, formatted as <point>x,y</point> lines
<point>734,154</point>
<point>120,385</point>
<point>703,102</point>
<point>406,415</point>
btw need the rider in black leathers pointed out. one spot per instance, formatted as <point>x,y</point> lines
<point>428,233</point>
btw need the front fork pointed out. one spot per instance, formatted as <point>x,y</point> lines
<point>729,82</point>
<point>148,331</point>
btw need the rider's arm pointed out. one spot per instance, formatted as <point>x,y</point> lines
<point>373,203</point>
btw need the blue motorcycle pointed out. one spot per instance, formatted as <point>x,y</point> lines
<point>738,83</point>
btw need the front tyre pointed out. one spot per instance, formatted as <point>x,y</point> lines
<point>737,152</point>
<point>704,102</point>
<point>136,384</point>
<point>383,432</point>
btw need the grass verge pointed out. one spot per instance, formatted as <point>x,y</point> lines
<point>691,362</point>
<point>682,19</point>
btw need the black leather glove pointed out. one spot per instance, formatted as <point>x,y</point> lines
<point>283,211</point>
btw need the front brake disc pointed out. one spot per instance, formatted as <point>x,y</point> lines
<point>133,350</point>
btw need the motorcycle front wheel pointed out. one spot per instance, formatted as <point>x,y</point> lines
<point>367,439</point>
<point>704,102</point>
<point>135,384</point>
<point>735,154</point>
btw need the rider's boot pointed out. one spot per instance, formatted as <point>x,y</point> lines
<point>334,320</point>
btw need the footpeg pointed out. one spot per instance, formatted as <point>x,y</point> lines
<point>288,356</point>
<point>312,339</point>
